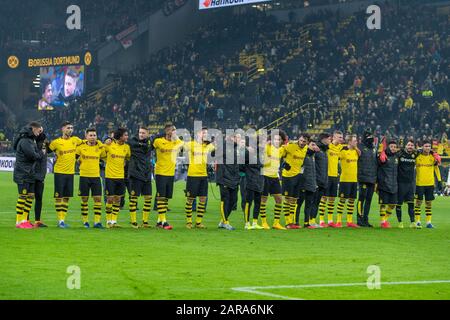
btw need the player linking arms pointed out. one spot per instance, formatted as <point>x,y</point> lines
<point>197,177</point>
<point>334,148</point>
<point>387,182</point>
<point>294,154</point>
<point>427,164</point>
<point>348,184</point>
<point>272,185</point>
<point>117,153</point>
<point>64,169</point>
<point>167,149</point>
<point>140,175</point>
<point>89,153</point>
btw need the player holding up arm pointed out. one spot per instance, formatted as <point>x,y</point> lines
<point>197,177</point>
<point>167,149</point>
<point>64,169</point>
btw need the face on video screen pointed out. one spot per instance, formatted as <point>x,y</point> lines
<point>62,84</point>
<point>70,84</point>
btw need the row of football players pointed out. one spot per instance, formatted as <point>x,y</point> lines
<point>309,175</point>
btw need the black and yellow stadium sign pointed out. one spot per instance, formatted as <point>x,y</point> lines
<point>87,58</point>
<point>13,62</point>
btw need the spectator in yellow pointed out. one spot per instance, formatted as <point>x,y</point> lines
<point>443,105</point>
<point>409,102</point>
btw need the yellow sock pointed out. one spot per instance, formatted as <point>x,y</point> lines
<point>349,218</point>
<point>340,210</point>
<point>312,221</point>
<point>188,209</point>
<point>277,213</point>
<point>146,209</point>
<point>65,209</point>
<point>428,213</point>
<point>19,210</point>
<point>383,213</point>
<point>109,212</point>
<point>286,210</point>
<point>255,221</point>
<point>133,206</point>
<point>84,211</point>
<point>115,212</point>
<point>97,212</point>
<point>201,209</point>
<point>330,210</point>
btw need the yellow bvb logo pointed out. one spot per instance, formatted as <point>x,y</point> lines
<point>24,191</point>
<point>13,62</point>
<point>87,58</point>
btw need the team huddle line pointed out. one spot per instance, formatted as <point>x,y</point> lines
<point>303,171</point>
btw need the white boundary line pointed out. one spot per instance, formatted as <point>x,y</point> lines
<point>258,290</point>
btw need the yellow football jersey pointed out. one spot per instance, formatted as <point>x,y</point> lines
<point>116,155</point>
<point>65,151</point>
<point>90,159</point>
<point>294,156</point>
<point>166,156</point>
<point>349,165</point>
<point>425,170</point>
<point>272,156</point>
<point>198,157</point>
<point>333,159</point>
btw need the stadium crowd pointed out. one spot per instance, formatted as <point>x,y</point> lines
<point>385,83</point>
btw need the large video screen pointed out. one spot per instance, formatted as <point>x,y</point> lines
<point>60,85</point>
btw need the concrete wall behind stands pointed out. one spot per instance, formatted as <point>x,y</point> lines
<point>122,59</point>
<point>344,9</point>
<point>155,32</point>
<point>166,31</point>
<point>12,83</point>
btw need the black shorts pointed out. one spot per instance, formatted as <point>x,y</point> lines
<point>164,186</point>
<point>427,192</point>
<point>405,192</point>
<point>196,187</point>
<point>348,190</point>
<point>63,185</point>
<point>90,185</point>
<point>115,187</point>
<point>25,188</point>
<point>332,187</point>
<point>291,186</point>
<point>271,186</point>
<point>387,198</point>
<point>139,187</point>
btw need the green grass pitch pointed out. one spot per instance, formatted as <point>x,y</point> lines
<point>218,264</point>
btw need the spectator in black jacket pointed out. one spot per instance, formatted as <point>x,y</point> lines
<point>27,154</point>
<point>367,177</point>
<point>387,182</point>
